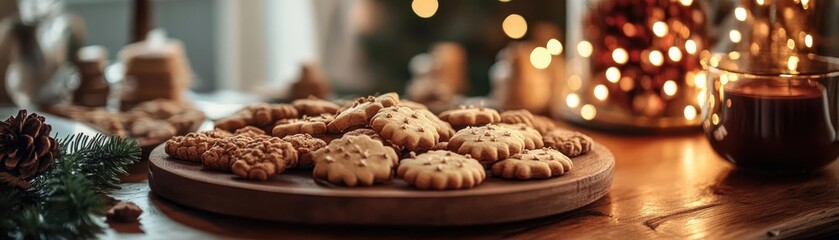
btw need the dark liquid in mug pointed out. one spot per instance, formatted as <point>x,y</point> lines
<point>774,128</point>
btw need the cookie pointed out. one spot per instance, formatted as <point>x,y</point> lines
<point>220,155</point>
<point>532,138</point>
<point>250,131</point>
<point>314,106</point>
<point>193,145</point>
<point>543,124</point>
<point>259,114</point>
<point>441,146</point>
<point>305,144</point>
<point>533,164</point>
<point>309,125</point>
<point>360,113</point>
<point>470,116</point>
<point>263,158</point>
<point>443,128</point>
<point>354,161</point>
<point>406,127</point>
<point>441,170</point>
<point>570,143</point>
<point>488,143</point>
<point>187,121</point>
<point>148,130</point>
<point>517,116</point>
<point>365,131</point>
<point>412,105</point>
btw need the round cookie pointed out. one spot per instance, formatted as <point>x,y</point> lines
<point>361,111</point>
<point>532,138</point>
<point>354,161</point>
<point>263,158</point>
<point>470,116</point>
<point>405,127</point>
<point>533,164</point>
<point>305,144</point>
<point>488,143</point>
<point>443,128</point>
<point>570,143</point>
<point>517,116</point>
<point>308,125</point>
<point>314,106</point>
<point>441,170</point>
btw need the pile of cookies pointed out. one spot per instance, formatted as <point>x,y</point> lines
<point>375,138</point>
<point>150,122</point>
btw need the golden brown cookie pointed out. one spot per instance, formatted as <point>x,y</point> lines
<point>360,113</point>
<point>441,146</point>
<point>263,158</point>
<point>406,127</point>
<point>220,155</point>
<point>517,116</point>
<point>441,170</point>
<point>543,124</point>
<point>259,114</point>
<point>533,164</point>
<point>412,105</point>
<point>570,143</point>
<point>354,161</point>
<point>314,106</point>
<point>532,138</point>
<point>305,144</point>
<point>187,121</point>
<point>148,130</point>
<point>159,108</point>
<point>193,145</point>
<point>365,131</point>
<point>250,131</point>
<point>470,116</point>
<point>488,143</point>
<point>443,128</point>
<point>315,126</point>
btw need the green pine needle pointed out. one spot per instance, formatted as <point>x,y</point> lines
<point>66,200</point>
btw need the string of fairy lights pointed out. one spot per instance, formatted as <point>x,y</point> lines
<point>647,65</point>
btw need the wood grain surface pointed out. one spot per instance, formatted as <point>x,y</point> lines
<point>670,186</point>
<point>294,196</point>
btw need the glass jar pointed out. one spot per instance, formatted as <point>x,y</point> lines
<point>634,64</point>
<point>773,111</point>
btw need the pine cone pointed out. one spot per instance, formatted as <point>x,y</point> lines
<point>26,147</point>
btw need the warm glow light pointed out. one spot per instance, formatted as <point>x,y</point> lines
<point>572,100</point>
<point>656,58</point>
<point>670,88</point>
<point>740,13</point>
<point>755,48</point>
<point>613,74</point>
<point>734,55</point>
<point>790,43</point>
<point>805,4</point>
<point>690,46</point>
<point>540,58</point>
<point>700,98</point>
<point>584,48</point>
<point>675,54</point>
<point>700,79</point>
<point>792,63</point>
<point>425,8</point>
<point>504,0</point>
<point>601,92</point>
<point>574,82</point>
<point>715,119</point>
<point>588,112</point>
<point>735,36</point>
<point>554,46</point>
<point>514,26</point>
<point>629,29</point>
<point>620,55</point>
<point>759,2</point>
<point>690,112</point>
<point>660,29</point>
<point>808,41</point>
<point>686,2</point>
<point>626,84</point>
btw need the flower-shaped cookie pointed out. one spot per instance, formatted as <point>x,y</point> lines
<point>533,164</point>
<point>470,116</point>
<point>441,170</point>
<point>361,111</point>
<point>406,127</point>
<point>354,161</point>
<point>488,143</point>
<point>570,143</point>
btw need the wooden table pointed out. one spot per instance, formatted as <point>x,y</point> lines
<point>664,187</point>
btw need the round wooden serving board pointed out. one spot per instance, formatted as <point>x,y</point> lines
<point>294,196</point>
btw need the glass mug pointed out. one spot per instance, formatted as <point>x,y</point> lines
<point>773,112</point>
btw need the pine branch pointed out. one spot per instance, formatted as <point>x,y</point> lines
<point>101,159</point>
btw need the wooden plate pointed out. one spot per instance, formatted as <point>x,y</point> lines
<point>294,196</point>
